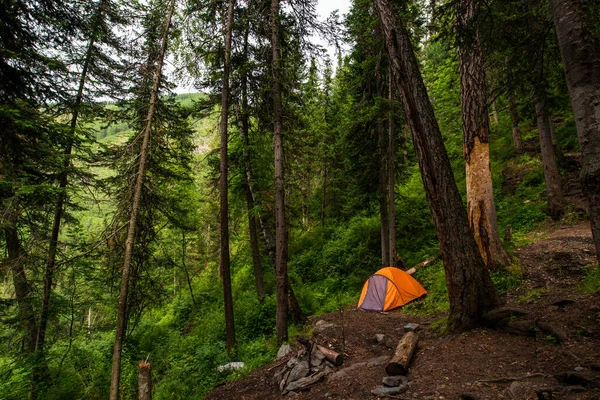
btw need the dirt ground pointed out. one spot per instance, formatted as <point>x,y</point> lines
<point>481,364</point>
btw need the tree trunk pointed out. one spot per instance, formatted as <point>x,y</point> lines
<point>481,208</point>
<point>223,188</point>
<point>580,51</point>
<point>551,176</point>
<point>391,171</point>
<point>21,285</point>
<point>553,187</point>
<point>135,206</point>
<point>58,214</point>
<point>470,289</point>
<point>144,381</point>
<point>383,178</point>
<point>280,224</point>
<point>249,181</point>
<point>514,119</point>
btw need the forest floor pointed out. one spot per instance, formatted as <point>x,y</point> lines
<point>482,364</point>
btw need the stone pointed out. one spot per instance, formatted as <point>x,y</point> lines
<point>390,343</point>
<point>379,337</point>
<point>322,326</point>
<point>389,391</point>
<point>578,369</point>
<point>392,381</point>
<point>377,361</point>
<point>342,373</point>
<point>284,350</point>
<point>411,327</point>
<point>232,366</point>
<point>298,372</point>
<point>304,383</point>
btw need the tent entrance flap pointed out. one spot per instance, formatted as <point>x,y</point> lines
<point>375,296</point>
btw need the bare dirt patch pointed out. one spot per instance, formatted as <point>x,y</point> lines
<point>484,363</point>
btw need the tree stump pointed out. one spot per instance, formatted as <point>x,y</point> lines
<point>144,381</point>
<point>399,363</point>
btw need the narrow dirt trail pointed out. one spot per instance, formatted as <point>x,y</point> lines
<point>484,363</point>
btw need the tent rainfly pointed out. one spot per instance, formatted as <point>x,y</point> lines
<point>389,288</point>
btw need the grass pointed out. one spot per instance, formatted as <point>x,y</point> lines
<point>590,283</point>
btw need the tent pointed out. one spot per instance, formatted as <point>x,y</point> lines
<point>389,288</point>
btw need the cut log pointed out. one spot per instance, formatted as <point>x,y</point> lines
<point>424,264</point>
<point>334,357</point>
<point>405,350</point>
<point>144,381</point>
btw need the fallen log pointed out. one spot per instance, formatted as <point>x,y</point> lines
<point>332,356</point>
<point>405,350</point>
<point>424,264</point>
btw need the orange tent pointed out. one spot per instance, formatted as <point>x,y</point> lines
<point>389,288</point>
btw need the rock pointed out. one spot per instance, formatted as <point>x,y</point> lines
<point>377,361</point>
<point>322,325</point>
<point>284,350</point>
<point>392,381</point>
<point>578,369</point>
<point>342,373</point>
<point>379,337</point>
<point>278,377</point>
<point>517,391</point>
<point>231,366</point>
<point>411,327</point>
<point>298,372</point>
<point>389,391</point>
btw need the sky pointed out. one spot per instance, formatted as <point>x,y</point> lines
<point>324,8</point>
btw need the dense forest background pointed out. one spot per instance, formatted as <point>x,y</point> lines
<point>85,100</point>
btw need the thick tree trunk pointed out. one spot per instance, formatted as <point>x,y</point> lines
<point>223,188</point>
<point>391,160</point>
<point>481,208</point>
<point>470,289</point>
<point>135,207</point>
<point>551,176</point>
<point>21,285</point>
<point>383,179</point>
<point>280,223</point>
<point>580,50</point>
<point>514,119</point>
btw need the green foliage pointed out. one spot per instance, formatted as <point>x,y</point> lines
<point>590,283</point>
<point>507,279</point>
<point>433,280</point>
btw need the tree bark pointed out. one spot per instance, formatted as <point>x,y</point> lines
<point>554,195</point>
<point>248,182</point>
<point>223,188</point>
<point>21,285</point>
<point>514,119</point>
<point>580,51</point>
<point>280,223</point>
<point>135,207</point>
<point>391,171</point>
<point>144,381</point>
<point>400,361</point>
<point>383,178</point>
<point>551,176</point>
<point>481,208</point>
<point>470,289</point>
